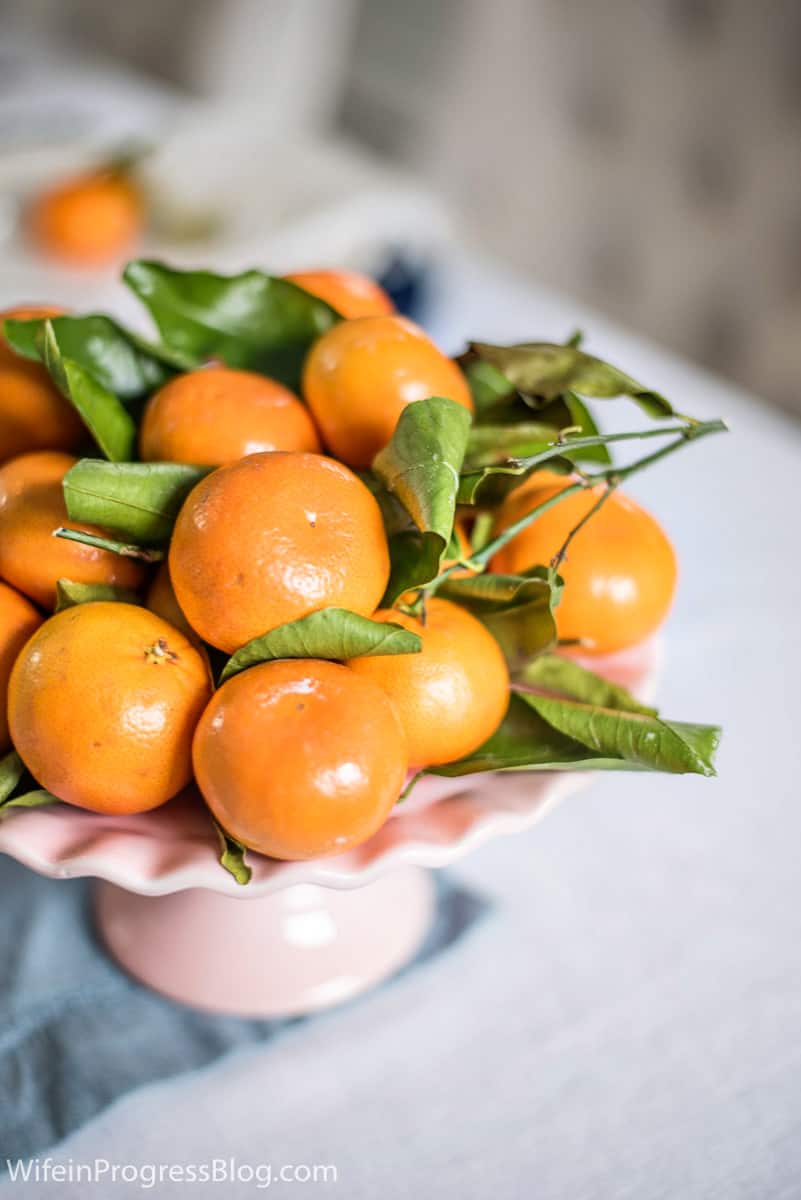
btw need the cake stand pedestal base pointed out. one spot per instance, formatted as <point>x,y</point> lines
<point>295,951</point>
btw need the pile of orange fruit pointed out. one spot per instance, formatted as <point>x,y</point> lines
<point>116,659</point>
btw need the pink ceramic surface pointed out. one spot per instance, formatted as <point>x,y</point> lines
<point>174,848</point>
<point>295,951</point>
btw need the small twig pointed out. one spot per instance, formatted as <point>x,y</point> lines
<point>611,476</point>
<point>561,553</point>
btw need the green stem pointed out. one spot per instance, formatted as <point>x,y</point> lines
<point>610,475</point>
<point>479,560</point>
<point>102,543</point>
<point>687,432</point>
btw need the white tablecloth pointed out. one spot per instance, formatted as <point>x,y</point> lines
<point>627,1022</point>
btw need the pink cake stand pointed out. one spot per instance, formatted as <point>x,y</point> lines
<point>311,934</point>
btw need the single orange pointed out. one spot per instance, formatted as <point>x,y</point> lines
<point>360,375</point>
<point>103,703</point>
<point>451,696</point>
<point>30,470</point>
<point>301,758</point>
<point>620,569</point>
<point>351,294</point>
<point>31,509</point>
<point>18,620</point>
<point>161,600</point>
<point>88,220</point>
<point>216,415</point>
<point>271,538</point>
<point>33,413</point>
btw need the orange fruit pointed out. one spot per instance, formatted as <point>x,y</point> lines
<point>300,758</point>
<point>88,220</point>
<point>216,415</point>
<point>451,696</point>
<point>360,375</point>
<point>620,569</point>
<point>351,294</point>
<point>103,703</point>
<point>31,470</point>
<point>31,508</point>
<point>161,600</point>
<point>33,413</point>
<point>18,620</point>
<point>271,538</point>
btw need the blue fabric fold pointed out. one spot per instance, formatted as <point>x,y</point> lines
<point>76,1033</point>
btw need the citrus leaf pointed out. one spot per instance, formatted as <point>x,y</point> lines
<point>420,467</point>
<point>250,320</point>
<point>492,445</point>
<point>556,673</point>
<point>516,609</point>
<point>124,549</point>
<point>121,362</point>
<point>232,855</point>
<point>69,593</point>
<point>638,738</point>
<point>421,463</point>
<point>491,391</point>
<point>332,633</point>
<point>545,370</point>
<point>11,771</point>
<point>139,501</point>
<point>35,799</point>
<point>106,418</point>
<point>525,741</point>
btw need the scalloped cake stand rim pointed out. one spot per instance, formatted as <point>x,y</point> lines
<point>172,849</point>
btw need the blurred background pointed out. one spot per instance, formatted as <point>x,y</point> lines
<point>642,157</point>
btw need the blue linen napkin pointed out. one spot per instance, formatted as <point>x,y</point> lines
<point>76,1032</point>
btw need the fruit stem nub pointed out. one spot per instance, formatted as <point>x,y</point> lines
<point>160,653</point>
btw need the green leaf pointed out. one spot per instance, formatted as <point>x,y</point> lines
<point>332,633</point>
<point>69,593</point>
<point>491,390</point>
<point>547,370</point>
<point>491,445</point>
<point>121,362</point>
<point>559,674</point>
<point>250,320</point>
<point>415,560</point>
<point>232,855</point>
<point>420,467</point>
<point>125,550</point>
<point>35,799</point>
<point>525,741</point>
<point>106,418</point>
<point>638,738</point>
<point>12,769</point>
<point>516,609</point>
<point>138,501</point>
